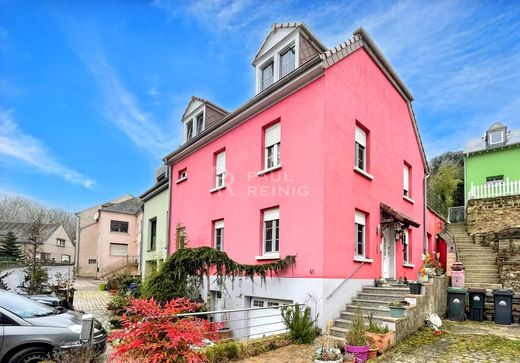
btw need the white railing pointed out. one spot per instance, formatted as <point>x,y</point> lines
<point>495,189</point>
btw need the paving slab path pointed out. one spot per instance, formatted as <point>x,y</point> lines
<point>89,299</point>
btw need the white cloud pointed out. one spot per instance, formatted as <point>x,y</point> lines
<point>16,144</point>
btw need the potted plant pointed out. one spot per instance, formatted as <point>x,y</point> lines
<point>372,353</point>
<point>328,354</point>
<point>397,309</point>
<point>380,335</point>
<point>423,275</point>
<point>356,338</point>
<point>415,287</point>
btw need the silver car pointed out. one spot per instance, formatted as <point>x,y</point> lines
<point>30,331</point>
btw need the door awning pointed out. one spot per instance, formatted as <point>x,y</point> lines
<point>397,216</point>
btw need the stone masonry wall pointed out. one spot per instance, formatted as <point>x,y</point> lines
<point>493,214</point>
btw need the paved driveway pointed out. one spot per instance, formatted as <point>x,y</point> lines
<point>89,299</point>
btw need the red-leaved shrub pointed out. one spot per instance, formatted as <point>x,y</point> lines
<point>151,333</point>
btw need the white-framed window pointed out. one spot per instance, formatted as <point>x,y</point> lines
<point>220,169</point>
<point>65,258</point>
<point>496,179</point>
<point>361,149</point>
<point>360,233</point>
<point>199,122</point>
<point>406,181</point>
<point>271,243</point>
<point>496,137</point>
<point>272,147</point>
<point>60,242</point>
<point>182,174</point>
<point>119,226</point>
<point>267,75</point>
<point>406,246</point>
<point>118,249</point>
<point>219,235</point>
<point>287,61</point>
<point>189,130</point>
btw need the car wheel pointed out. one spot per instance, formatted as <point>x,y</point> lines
<point>30,355</point>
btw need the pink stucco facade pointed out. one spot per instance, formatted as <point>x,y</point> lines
<point>316,189</point>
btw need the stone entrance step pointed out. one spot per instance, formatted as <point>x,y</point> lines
<point>379,297</point>
<point>480,285</point>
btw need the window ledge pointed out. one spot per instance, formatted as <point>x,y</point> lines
<point>363,259</point>
<point>408,199</point>
<point>272,256</point>
<point>178,181</point>
<point>217,189</point>
<point>363,173</point>
<point>269,170</point>
<point>410,265</point>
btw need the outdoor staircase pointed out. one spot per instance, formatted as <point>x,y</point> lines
<point>481,270</point>
<point>372,300</point>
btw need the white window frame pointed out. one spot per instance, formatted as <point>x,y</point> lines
<point>272,141</point>
<point>360,219</point>
<point>117,244</point>
<point>502,136</point>
<point>182,175</point>
<point>220,169</point>
<point>218,225</point>
<point>268,63</point>
<point>58,242</point>
<point>190,121</point>
<point>196,124</point>
<point>271,215</point>
<point>281,53</point>
<point>67,259</point>
<point>361,141</point>
<point>406,246</point>
<point>406,181</point>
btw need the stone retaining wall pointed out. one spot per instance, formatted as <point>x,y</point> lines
<point>492,214</point>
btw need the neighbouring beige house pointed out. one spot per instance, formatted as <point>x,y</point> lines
<point>56,245</point>
<point>108,236</point>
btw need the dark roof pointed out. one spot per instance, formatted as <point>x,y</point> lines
<point>398,216</point>
<point>130,206</point>
<point>156,189</point>
<point>20,230</point>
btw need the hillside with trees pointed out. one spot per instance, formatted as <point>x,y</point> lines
<point>446,182</point>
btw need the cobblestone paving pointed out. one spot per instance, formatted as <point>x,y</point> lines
<point>89,299</point>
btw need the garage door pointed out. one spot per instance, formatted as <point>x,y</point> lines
<point>266,322</point>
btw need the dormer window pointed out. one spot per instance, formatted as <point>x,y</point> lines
<point>267,74</point>
<point>287,61</point>
<point>189,130</point>
<point>496,137</point>
<point>199,115</point>
<point>200,122</point>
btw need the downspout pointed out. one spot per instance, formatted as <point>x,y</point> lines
<point>168,213</point>
<point>425,244</point>
<point>141,255</point>
<point>78,232</point>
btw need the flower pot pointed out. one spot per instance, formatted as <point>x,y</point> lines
<point>415,288</point>
<point>383,342</point>
<point>361,352</point>
<point>397,311</point>
<point>372,353</point>
<point>225,333</point>
<point>328,361</point>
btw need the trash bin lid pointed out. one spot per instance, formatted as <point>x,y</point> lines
<point>503,292</point>
<point>477,291</point>
<point>459,290</point>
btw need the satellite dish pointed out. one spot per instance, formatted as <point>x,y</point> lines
<point>96,215</point>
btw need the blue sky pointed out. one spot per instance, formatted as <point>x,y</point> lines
<point>91,92</point>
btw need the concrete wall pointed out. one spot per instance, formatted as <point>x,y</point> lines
<point>155,207</point>
<point>493,214</point>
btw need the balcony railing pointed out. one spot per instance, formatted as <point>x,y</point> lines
<point>495,189</point>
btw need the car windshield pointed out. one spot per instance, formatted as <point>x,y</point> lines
<point>23,307</point>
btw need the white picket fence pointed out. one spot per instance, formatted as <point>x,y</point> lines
<point>493,190</point>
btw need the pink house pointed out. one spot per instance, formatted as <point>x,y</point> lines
<point>324,162</point>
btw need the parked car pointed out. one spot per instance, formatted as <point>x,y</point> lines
<point>30,331</point>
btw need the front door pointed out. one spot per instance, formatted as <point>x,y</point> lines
<point>388,253</point>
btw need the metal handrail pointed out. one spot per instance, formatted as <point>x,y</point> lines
<point>233,310</point>
<point>446,230</point>
<point>344,281</point>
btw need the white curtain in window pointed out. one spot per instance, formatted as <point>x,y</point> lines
<point>406,176</point>
<point>272,135</point>
<point>219,224</point>
<point>271,214</point>
<point>360,218</point>
<point>221,163</point>
<point>361,137</point>
<point>117,249</point>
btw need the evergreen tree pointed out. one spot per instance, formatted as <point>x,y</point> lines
<point>9,249</point>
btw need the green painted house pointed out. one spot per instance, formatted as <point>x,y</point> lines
<point>154,238</point>
<point>492,164</point>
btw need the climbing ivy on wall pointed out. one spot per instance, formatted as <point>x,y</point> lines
<point>175,278</point>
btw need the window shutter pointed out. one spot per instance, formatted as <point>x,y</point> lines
<point>272,135</point>
<point>361,137</point>
<point>360,218</point>
<point>118,249</point>
<point>221,163</point>
<point>271,214</point>
<point>406,178</point>
<point>219,224</point>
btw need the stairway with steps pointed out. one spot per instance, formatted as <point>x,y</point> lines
<point>481,270</point>
<point>372,300</point>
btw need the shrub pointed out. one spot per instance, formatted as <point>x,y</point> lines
<point>302,329</point>
<point>102,287</point>
<point>356,335</point>
<point>222,352</point>
<point>152,333</point>
<point>118,304</point>
<point>375,327</point>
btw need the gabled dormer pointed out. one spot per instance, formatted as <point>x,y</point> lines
<point>287,47</point>
<point>199,115</point>
<point>496,135</point>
